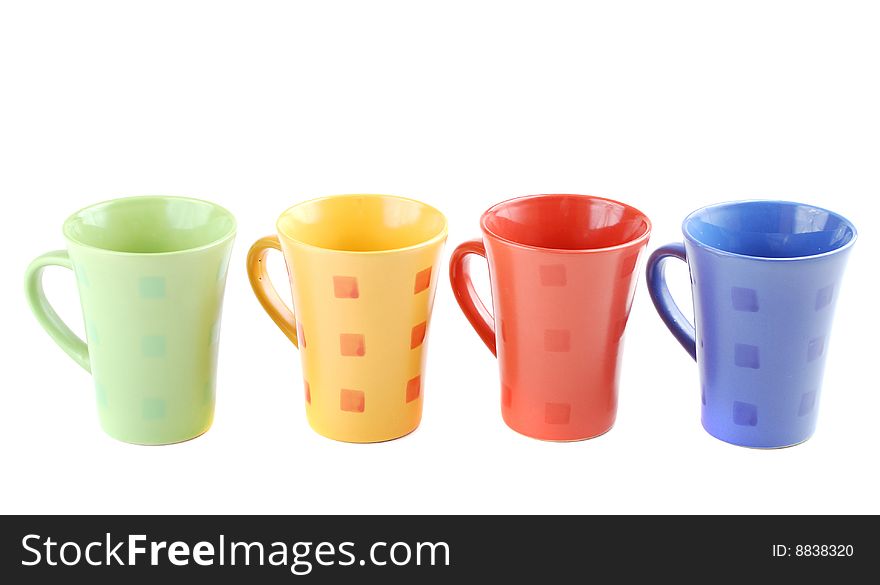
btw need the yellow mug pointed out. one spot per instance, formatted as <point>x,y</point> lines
<point>363,271</point>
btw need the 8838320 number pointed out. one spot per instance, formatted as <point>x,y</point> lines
<point>824,550</point>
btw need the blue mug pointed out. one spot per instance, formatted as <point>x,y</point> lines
<point>765,276</point>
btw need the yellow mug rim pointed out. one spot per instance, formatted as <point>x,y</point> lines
<point>439,236</point>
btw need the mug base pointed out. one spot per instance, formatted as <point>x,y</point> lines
<point>757,447</point>
<point>142,443</point>
<point>559,439</point>
<point>381,438</point>
<point>169,431</point>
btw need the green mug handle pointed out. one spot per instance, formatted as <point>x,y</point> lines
<point>46,315</point>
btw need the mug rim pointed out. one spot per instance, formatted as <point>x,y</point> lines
<point>779,202</point>
<point>438,237</point>
<point>66,226</point>
<point>636,241</point>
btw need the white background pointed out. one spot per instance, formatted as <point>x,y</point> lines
<point>258,105</point>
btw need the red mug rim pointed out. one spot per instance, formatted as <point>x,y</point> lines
<point>635,241</point>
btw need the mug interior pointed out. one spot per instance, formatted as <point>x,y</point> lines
<point>150,225</point>
<point>362,223</point>
<point>566,222</point>
<point>769,229</point>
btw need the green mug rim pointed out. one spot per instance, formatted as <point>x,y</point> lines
<point>229,234</point>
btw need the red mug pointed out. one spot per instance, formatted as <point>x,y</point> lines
<point>563,274</point>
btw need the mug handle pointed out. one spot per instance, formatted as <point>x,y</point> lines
<point>265,291</point>
<point>675,320</point>
<point>46,315</point>
<point>466,295</point>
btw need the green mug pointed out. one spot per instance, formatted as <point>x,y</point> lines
<point>151,273</point>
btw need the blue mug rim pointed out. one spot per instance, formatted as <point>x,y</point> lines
<point>746,202</point>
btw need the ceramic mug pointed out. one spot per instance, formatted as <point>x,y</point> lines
<point>765,276</point>
<point>363,272</point>
<point>151,273</point>
<point>563,273</point>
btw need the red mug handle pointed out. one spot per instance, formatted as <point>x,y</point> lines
<point>463,287</point>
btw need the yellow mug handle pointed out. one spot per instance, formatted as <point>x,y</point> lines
<point>265,291</point>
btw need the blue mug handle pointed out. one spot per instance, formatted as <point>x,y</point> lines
<point>675,320</point>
